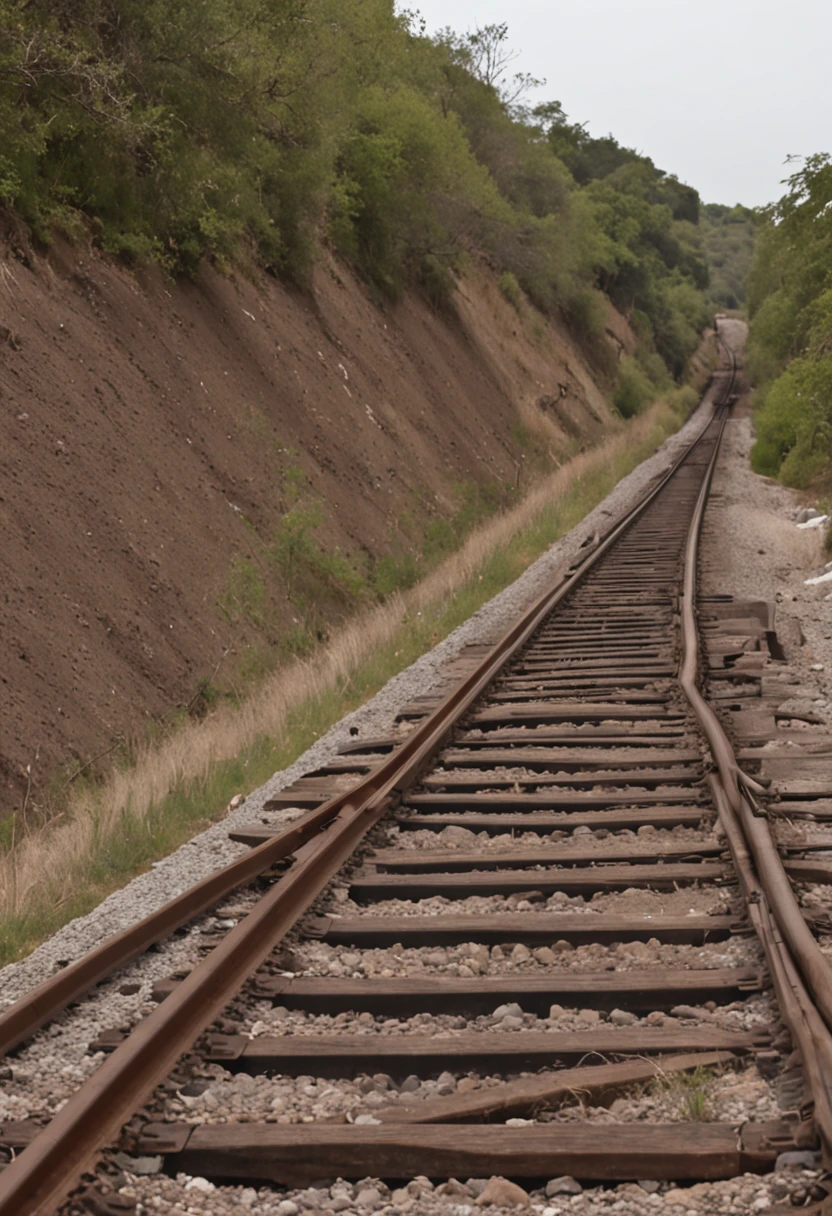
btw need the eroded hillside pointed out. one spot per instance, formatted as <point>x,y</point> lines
<point>200,476</point>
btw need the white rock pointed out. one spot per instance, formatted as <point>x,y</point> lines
<point>200,1184</point>
<point>507,1011</point>
<point>563,1186</point>
<point>686,1011</point>
<point>368,1197</point>
<point>456,835</point>
<point>503,1194</point>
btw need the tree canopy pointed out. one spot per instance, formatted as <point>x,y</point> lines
<point>790,350</point>
<point>172,131</point>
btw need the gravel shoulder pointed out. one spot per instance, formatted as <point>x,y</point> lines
<point>753,549</point>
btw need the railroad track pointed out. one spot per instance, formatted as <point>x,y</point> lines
<point>559,887</point>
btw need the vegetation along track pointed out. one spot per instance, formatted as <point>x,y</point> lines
<point>573,803</point>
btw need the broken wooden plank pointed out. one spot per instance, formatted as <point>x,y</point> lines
<point>298,1154</point>
<point>595,1084</point>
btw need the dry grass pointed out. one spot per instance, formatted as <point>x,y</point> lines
<point>108,833</point>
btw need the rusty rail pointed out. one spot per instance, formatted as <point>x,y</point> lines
<point>800,971</point>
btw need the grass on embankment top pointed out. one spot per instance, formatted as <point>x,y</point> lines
<point>177,787</point>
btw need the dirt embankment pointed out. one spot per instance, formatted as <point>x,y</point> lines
<point>154,435</point>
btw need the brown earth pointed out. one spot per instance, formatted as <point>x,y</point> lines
<point>151,432</point>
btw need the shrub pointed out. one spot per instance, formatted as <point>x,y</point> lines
<point>510,289</point>
<point>634,391</point>
<point>176,132</point>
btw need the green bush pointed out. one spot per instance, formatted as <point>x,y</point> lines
<point>684,401</point>
<point>510,289</point>
<point>394,574</point>
<point>176,132</point>
<point>790,350</point>
<point>634,390</point>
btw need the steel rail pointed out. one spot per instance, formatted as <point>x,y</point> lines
<point>800,971</point>
<point>47,1170</point>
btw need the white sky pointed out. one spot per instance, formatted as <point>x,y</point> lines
<point>718,94</point>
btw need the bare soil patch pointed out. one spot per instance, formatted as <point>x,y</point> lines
<point>147,431</point>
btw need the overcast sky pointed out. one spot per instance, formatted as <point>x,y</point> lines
<point>718,94</point>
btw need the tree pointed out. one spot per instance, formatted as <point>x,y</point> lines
<point>486,54</point>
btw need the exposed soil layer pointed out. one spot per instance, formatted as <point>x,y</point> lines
<point>151,432</point>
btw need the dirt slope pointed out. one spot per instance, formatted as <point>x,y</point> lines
<point>151,432</point>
